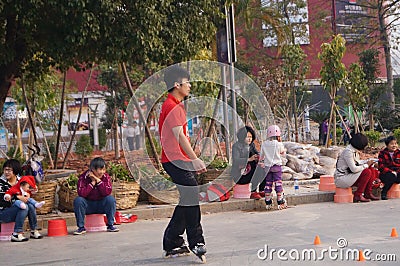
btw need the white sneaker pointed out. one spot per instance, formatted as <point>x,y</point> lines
<point>18,238</point>
<point>39,204</point>
<point>36,235</point>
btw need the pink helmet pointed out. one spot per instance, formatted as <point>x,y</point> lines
<point>273,131</point>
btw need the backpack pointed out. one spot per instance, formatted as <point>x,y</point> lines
<point>217,192</point>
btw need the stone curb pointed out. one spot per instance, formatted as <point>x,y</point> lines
<point>150,212</point>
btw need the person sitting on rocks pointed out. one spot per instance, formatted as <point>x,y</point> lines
<point>351,172</point>
<point>245,160</point>
<point>389,165</point>
<point>94,190</point>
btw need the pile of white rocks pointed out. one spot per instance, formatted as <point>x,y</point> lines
<point>305,161</point>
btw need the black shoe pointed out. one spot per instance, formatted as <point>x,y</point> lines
<point>199,249</point>
<point>182,250</point>
<point>384,197</point>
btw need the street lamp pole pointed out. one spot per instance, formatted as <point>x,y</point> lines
<point>93,110</point>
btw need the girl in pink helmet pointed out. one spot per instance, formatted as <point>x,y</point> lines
<point>272,151</point>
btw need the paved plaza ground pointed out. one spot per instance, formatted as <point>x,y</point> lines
<point>234,238</point>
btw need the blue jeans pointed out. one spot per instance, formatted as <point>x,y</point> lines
<point>32,216</point>
<point>83,206</point>
<point>30,200</point>
<point>14,214</point>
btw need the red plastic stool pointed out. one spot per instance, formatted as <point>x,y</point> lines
<point>95,223</point>
<point>343,195</point>
<point>241,191</point>
<point>57,227</point>
<point>394,192</point>
<point>6,229</point>
<point>327,183</point>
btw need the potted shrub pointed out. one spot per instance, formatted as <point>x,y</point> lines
<point>67,193</point>
<point>125,189</point>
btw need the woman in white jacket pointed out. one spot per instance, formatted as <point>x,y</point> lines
<point>350,171</point>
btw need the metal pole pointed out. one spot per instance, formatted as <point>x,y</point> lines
<point>225,129</point>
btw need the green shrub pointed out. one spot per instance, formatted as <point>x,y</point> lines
<point>18,155</point>
<point>157,146</point>
<point>102,137</point>
<point>83,147</point>
<point>119,172</point>
<point>72,181</point>
<point>373,137</point>
<point>339,133</point>
<point>396,134</point>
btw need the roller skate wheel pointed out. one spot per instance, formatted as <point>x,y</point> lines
<point>203,259</point>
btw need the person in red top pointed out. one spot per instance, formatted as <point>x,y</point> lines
<point>181,163</point>
<point>389,165</point>
<point>25,186</point>
<point>94,196</point>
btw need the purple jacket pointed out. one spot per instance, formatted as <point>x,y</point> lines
<point>96,192</point>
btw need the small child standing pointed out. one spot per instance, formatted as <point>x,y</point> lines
<point>24,188</point>
<point>272,151</point>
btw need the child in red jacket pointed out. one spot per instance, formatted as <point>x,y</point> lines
<point>25,186</point>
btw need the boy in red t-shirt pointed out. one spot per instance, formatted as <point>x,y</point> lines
<point>180,162</point>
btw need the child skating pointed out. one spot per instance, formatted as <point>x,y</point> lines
<point>24,187</point>
<point>272,152</point>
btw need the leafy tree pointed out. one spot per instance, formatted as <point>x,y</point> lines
<point>356,90</point>
<point>295,68</point>
<point>333,73</point>
<point>65,33</point>
<point>369,60</point>
<point>380,18</point>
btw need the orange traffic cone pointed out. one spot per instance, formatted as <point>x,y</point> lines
<point>394,233</point>
<point>361,255</point>
<point>317,241</point>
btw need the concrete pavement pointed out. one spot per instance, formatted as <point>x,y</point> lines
<point>308,194</point>
<point>233,238</point>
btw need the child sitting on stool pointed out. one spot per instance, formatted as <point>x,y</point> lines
<point>272,151</point>
<point>24,187</point>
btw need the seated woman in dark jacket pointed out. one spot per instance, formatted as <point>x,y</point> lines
<point>245,160</point>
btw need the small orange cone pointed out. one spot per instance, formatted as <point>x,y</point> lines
<point>394,233</point>
<point>317,241</point>
<point>361,255</point>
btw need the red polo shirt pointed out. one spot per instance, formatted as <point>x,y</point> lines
<point>172,114</point>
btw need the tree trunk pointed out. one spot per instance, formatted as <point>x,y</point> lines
<point>77,120</point>
<point>388,59</point>
<point>141,116</point>
<point>60,121</point>
<point>30,115</point>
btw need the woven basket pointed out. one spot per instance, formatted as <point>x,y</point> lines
<point>66,197</point>
<point>126,194</point>
<point>163,197</point>
<point>46,192</point>
<point>212,174</point>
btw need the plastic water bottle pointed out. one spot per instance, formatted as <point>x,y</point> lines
<point>296,186</point>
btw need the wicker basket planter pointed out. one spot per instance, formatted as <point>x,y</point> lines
<point>66,197</point>
<point>126,194</point>
<point>212,174</point>
<point>46,192</point>
<point>163,197</point>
